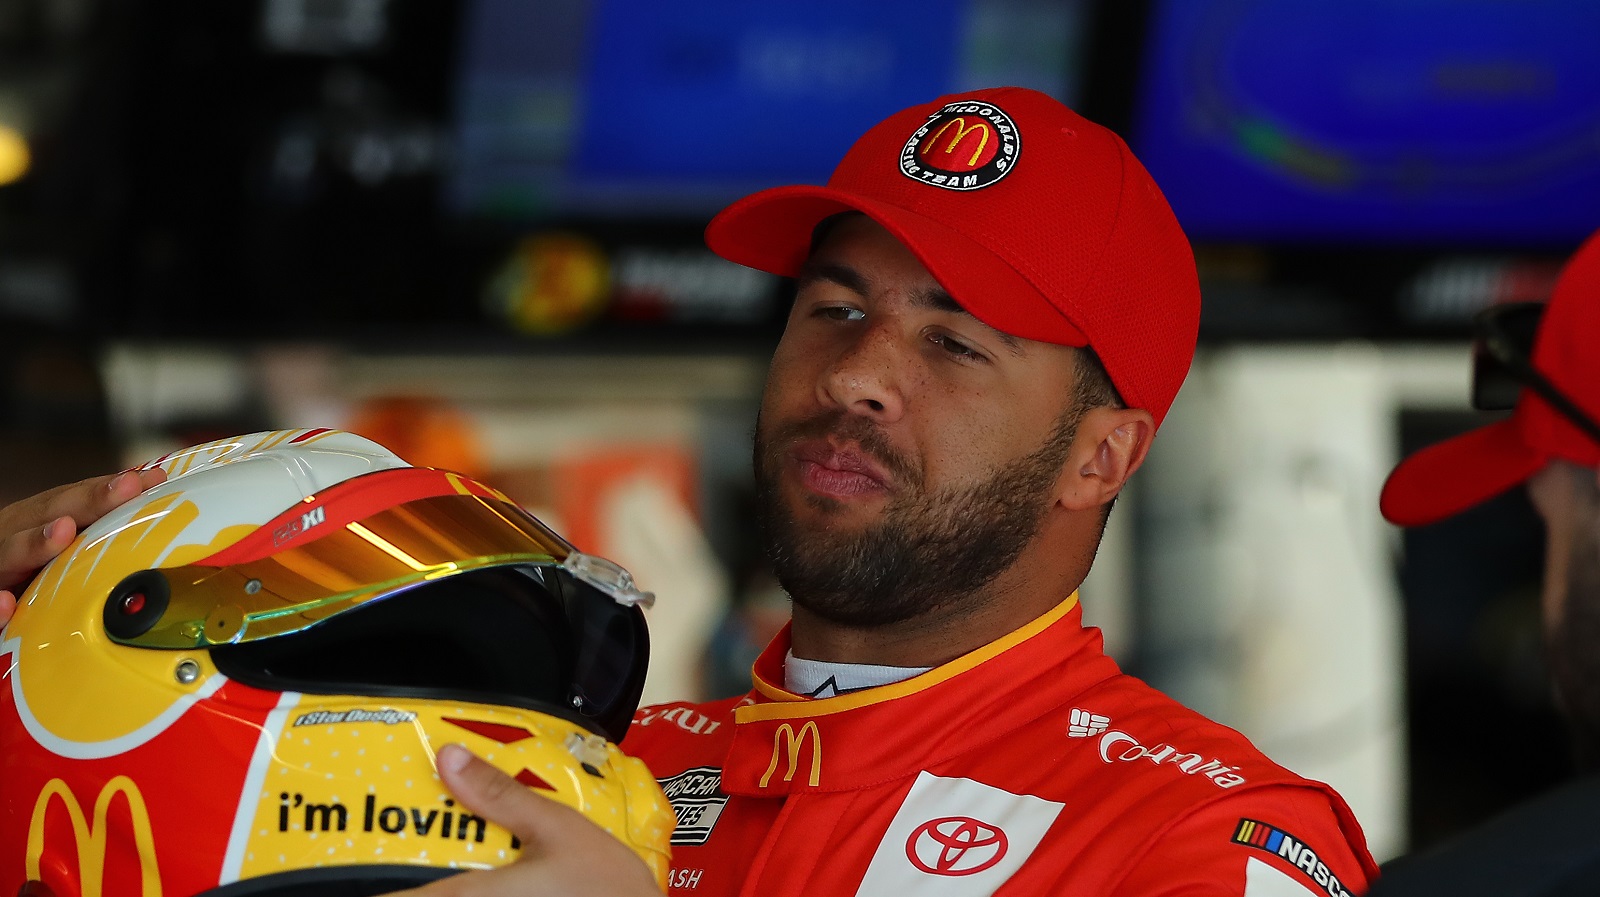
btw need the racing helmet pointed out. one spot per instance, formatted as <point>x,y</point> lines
<point>235,683</point>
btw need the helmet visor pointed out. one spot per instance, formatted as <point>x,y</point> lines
<point>203,604</point>
<point>475,569</point>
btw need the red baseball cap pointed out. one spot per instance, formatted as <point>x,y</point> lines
<point>1039,222</point>
<point>1451,476</point>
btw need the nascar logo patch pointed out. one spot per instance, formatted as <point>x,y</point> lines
<point>1280,843</point>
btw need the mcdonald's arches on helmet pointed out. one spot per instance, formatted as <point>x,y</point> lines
<point>236,682</point>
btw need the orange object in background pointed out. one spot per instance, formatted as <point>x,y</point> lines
<point>427,432</point>
<point>581,483</point>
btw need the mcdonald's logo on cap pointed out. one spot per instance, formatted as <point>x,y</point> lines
<point>787,738</point>
<point>90,834</point>
<point>963,146</point>
<point>952,150</point>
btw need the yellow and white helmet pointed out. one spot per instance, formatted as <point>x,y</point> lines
<point>236,682</point>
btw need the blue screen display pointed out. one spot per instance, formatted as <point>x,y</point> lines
<point>633,108</point>
<point>1440,122</point>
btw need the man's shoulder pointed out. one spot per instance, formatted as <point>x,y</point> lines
<point>680,725</point>
<point>722,706</point>
<point>1131,717</point>
<point>1176,780</point>
<point>1126,742</point>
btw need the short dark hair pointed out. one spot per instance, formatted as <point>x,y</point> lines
<point>1093,388</point>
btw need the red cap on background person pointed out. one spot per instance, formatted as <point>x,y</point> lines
<point>1451,476</point>
<point>1039,222</point>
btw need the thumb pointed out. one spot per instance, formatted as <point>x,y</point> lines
<point>497,797</point>
<point>563,852</point>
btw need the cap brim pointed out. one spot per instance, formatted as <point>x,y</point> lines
<point>1451,476</point>
<point>771,231</point>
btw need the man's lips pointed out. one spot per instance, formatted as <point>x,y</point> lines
<point>839,471</point>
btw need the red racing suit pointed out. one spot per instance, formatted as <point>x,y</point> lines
<point>1031,766</point>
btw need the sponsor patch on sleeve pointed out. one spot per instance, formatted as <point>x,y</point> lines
<point>1292,850</point>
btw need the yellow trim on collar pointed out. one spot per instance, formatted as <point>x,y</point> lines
<point>788,705</point>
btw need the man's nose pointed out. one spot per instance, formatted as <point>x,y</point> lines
<point>868,375</point>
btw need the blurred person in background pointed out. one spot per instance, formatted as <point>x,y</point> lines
<point>995,309</point>
<point>1546,359</point>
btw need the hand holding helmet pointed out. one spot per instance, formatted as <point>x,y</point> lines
<point>562,855</point>
<point>36,529</point>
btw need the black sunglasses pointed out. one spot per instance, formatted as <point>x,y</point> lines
<point>1502,364</point>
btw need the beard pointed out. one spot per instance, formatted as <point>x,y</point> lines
<point>1572,653</point>
<point>931,551</point>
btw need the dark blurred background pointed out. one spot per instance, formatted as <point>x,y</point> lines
<point>516,179</point>
<point>346,163</point>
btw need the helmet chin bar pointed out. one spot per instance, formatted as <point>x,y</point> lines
<point>509,636</point>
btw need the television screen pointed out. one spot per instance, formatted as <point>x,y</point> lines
<point>629,109</point>
<point>1436,123</point>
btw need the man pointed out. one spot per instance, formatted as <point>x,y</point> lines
<point>995,308</point>
<point>1550,443</point>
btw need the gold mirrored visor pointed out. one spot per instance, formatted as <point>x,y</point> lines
<point>231,598</point>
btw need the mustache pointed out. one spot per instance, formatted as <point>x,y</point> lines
<point>841,426</point>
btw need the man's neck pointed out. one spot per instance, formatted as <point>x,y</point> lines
<point>1016,598</point>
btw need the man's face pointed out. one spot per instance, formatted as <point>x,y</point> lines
<point>906,452</point>
<point>1568,498</point>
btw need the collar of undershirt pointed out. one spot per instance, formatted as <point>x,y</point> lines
<point>822,679</point>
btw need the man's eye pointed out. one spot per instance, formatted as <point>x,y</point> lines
<point>954,347</point>
<point>841,313</point>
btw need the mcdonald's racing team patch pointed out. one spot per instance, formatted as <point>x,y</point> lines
<point>697,799</point>
<point>1280,843</point>
<point>964,146</point>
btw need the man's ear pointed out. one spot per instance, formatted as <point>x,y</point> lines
<point>1110,445</point>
